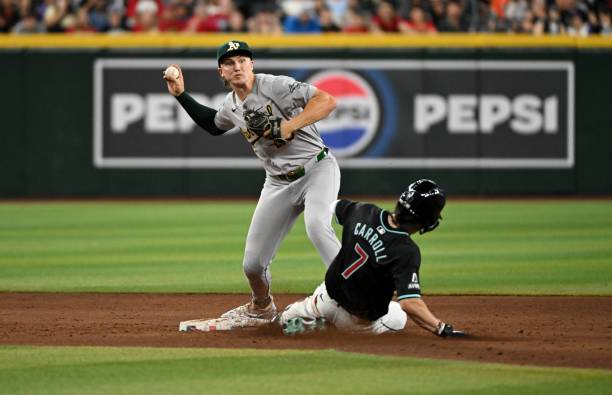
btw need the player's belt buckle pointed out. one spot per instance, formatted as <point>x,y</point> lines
<point>295,174</point>
<point>301,171</point>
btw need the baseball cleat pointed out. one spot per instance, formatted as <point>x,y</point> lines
<point>294,326</point>
<point>251,311</point>
<point>298,325</point>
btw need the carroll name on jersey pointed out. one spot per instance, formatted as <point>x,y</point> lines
<point>371,236</point>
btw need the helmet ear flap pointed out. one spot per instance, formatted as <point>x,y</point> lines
<point>429,228</point>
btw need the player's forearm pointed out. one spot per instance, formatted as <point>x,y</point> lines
<point>317,108</point>
<point>418,311</point>
<point>202,115</point>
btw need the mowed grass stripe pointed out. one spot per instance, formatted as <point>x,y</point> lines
<point>482,247</point>
<point>78,370</point>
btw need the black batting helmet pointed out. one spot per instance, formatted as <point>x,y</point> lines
<point>421,204</point>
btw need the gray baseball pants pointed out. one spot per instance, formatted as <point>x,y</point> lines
<point>279,205</point>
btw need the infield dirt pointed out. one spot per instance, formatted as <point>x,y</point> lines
<point>542,330</point>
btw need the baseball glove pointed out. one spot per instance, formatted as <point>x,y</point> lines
<point>447,330</point>
<point>260,123</point>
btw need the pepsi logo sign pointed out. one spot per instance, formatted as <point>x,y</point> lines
<point>354,123</point>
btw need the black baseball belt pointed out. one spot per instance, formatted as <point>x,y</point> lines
<point>300,171</point>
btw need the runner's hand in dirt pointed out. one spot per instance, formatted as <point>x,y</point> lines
<point>447,330</point>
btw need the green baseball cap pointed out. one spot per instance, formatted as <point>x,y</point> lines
<point>233,48</point>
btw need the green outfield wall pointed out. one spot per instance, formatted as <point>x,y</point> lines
<point>483,115</point>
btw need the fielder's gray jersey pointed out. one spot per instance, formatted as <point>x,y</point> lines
<point>278,97</point>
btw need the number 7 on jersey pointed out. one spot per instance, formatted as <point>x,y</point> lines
<point>363,257</point>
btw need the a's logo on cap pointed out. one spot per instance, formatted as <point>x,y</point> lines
<point>352,126</point>
<point>232,46</point>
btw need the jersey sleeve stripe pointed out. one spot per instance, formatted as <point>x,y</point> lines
<point>408,296</point>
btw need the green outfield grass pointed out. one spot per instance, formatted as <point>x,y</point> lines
<point>482,247</point>
<point>89,370</point>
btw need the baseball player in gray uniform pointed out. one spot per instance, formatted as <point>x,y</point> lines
<point>277,116</point>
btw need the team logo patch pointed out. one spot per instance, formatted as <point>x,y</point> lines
<point>414,282</point>
<point>354,123</point>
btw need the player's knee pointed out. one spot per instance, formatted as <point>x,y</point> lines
<point>252,265</point>
<point>396,318</point>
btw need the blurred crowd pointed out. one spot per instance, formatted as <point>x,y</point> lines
<point>537,17</point>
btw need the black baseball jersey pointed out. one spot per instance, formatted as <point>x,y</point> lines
<point>375,260</point>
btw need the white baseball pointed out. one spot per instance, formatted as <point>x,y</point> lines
<point>171,72</point>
